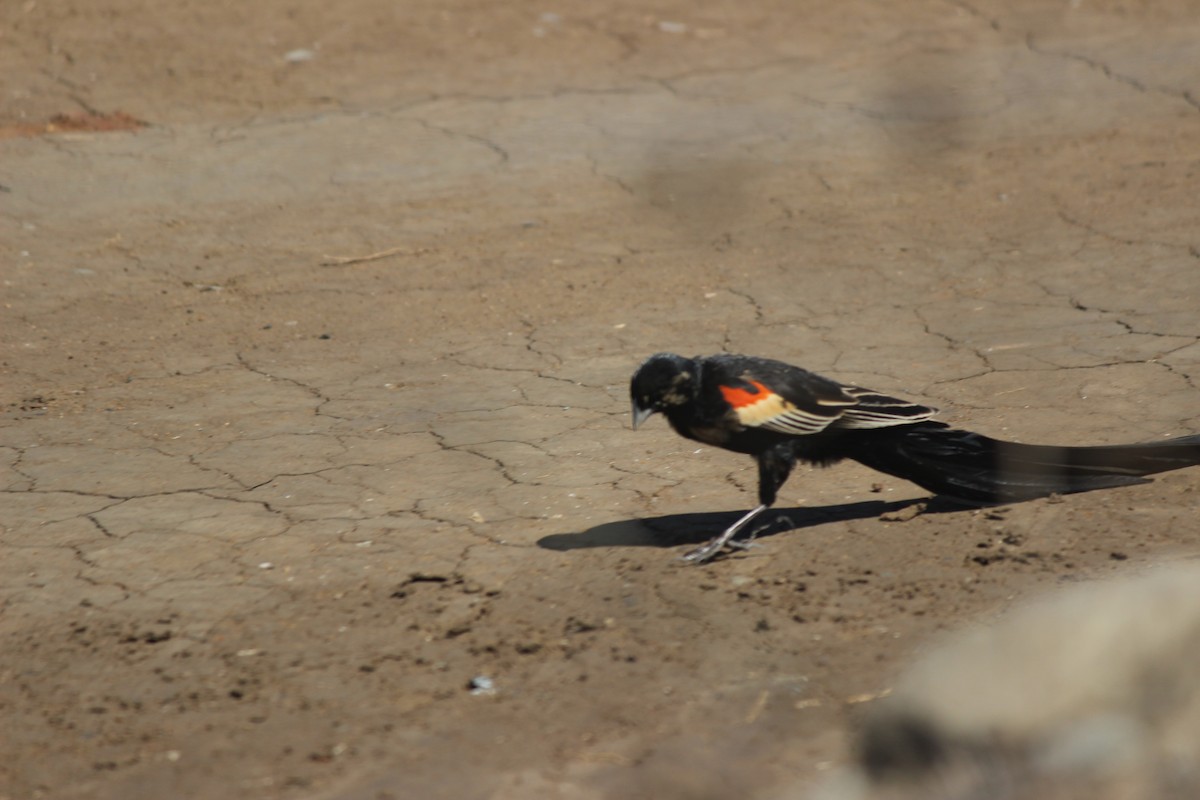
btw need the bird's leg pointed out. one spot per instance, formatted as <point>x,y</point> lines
<point>707,551</point>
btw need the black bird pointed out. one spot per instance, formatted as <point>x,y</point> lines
<point>782,414</point>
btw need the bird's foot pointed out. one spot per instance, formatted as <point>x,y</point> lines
<point>742,544</point>
<point>706,551</point>
<point>716,545</point>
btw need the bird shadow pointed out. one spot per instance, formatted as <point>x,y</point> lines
<point>672,530</point>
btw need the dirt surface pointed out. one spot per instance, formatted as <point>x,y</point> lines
<point>314,389</point>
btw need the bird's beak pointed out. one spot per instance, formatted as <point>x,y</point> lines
<point>640,415</point>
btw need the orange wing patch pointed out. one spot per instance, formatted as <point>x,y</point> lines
<point>755,408</point>
<point>765,409</point>
<point>740,397</point>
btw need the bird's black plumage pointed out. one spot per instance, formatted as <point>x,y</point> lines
<point>781,415</point>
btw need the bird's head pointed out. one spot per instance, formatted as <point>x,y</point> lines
<point>662,382</point>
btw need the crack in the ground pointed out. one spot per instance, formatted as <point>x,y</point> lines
<point>320,473</point>
<point>992,22</point>
<point>483,141</point>
<point>531,371</point>
<point>1129,242</point>
<point>759,315</point>
<point>16,464</point>
<point>952,343</point>
<point>499,463</point>
<point>316,393</point>
<point>100,525</point>
<point>1109,73</point>
<point>264,504</point>
<point>81,493</point>
<point>1111,315</point>
<point>668,82</point>
<point>646,498</point>
<point>427,515</point>
<point>615,180</point>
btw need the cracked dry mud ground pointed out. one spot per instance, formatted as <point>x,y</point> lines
<point>267,509</point>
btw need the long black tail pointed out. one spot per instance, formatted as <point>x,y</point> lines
<point>973,467</point>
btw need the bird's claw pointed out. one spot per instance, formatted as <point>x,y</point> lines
<point>701,554</point>
<point>741,544</point>
<point>710,549</point>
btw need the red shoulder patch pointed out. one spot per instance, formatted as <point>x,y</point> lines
<point>740,398</point>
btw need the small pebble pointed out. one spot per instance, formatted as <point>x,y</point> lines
<point>482,684</point>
